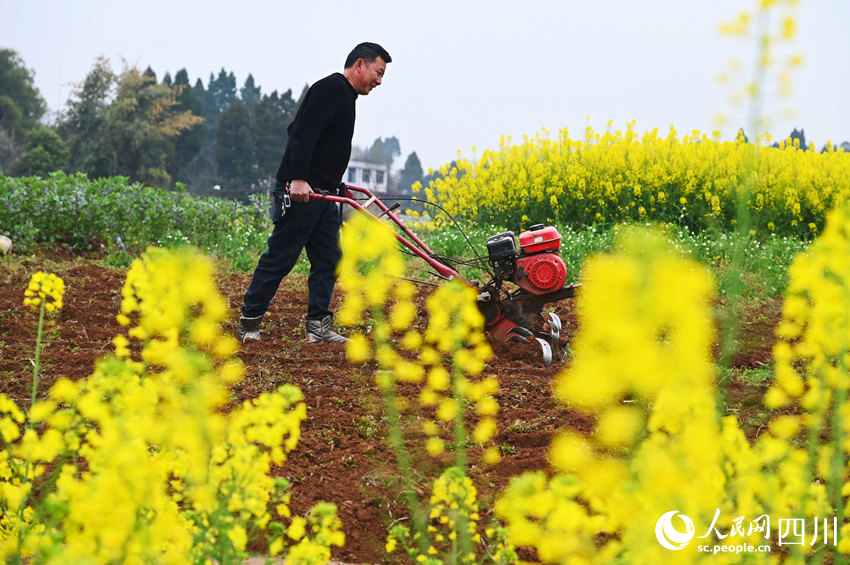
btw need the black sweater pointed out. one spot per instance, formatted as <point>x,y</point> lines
<point>319,144</point>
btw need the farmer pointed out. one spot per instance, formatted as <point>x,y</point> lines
<point>314,160</point>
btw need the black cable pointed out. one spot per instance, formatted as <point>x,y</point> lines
<point>451,262</point>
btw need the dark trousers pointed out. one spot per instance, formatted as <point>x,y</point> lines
<point>313,226</point>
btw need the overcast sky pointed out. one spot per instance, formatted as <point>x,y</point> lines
<point>464,73</point>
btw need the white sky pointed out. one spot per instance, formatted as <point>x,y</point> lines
<point>464,72</point>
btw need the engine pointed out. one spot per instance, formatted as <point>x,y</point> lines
<point>535,266</point>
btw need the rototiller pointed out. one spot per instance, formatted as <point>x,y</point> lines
<point>535,269</point>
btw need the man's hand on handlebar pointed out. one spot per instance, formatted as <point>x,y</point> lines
<point>299,190</point>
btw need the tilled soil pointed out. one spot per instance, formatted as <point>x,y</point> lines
<point>342,456</point>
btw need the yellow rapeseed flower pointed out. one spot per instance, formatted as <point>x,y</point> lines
<point>358,349</point>
<point>134,491</point>
<point>434,446</point>
<point>45,289</point>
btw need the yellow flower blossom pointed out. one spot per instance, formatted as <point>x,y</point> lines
<point>561,183</point>
<point>238,537</point>
<point>439,378</point>
<point>485,430</point>
<point>46,290</point>
<point>358,348</point>
<point>451,349</point>
<point>492,455</point>
<point>447,409</point>
<point>132,490</point>
<point>434,446</point>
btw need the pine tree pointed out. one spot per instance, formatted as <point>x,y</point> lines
<point>234,146</point>
<point>221,93</point>
<point>250,95</point>
<point>410,174</point>
<point>190,142</point>
<point>384,151</point>
<point>272,115</point>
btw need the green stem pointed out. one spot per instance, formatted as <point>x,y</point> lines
<point>454,551</point>
<point>836,479</point>
<point>461,521</point>
<point>460,424</point>
<point>37,364</point>
<point>396,439</point>
<point>29,422</point>
<point>735,285</point>
<point>812,444</point>
<point>395,436</point>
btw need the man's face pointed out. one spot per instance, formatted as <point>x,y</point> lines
<point>368,75</point>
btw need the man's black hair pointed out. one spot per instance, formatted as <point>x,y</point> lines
<point>368,52</point>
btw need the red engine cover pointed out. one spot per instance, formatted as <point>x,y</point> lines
<point>541,273</point>
<point>539,238</point>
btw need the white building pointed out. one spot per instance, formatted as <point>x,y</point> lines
<point>373,176</point>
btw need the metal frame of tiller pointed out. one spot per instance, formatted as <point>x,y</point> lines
<point>419,247</point>
<point>514,315</point>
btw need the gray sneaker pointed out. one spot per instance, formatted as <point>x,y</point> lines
<point>249,328</point>
<point>319,331</point>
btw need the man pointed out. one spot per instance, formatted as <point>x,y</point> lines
<point>314,160</point>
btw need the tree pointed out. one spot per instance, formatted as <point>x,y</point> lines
<point>410,174</point>
<point>131,134</point>
<point>200,91</point>
<point>392,149</point>
<point>142,125</point>
<point>797,135</point>
<point>250,95</point>
<point>272,115</point>
<point>21,104</point>
<point>187,97</point>
<point>8,151</point>
<point>221,93</point>
<point>43,153</point>
<point>81,126</point>
<point>383,151</point>
<point>376,152</point>
<point>800,137</point>
<point>234,147</point>
<point>191,140</point>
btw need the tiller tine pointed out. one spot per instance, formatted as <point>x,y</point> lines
<point>547,351</point>
<point>554,328</point>
<point>521,331</point>
<point>517,338</point>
